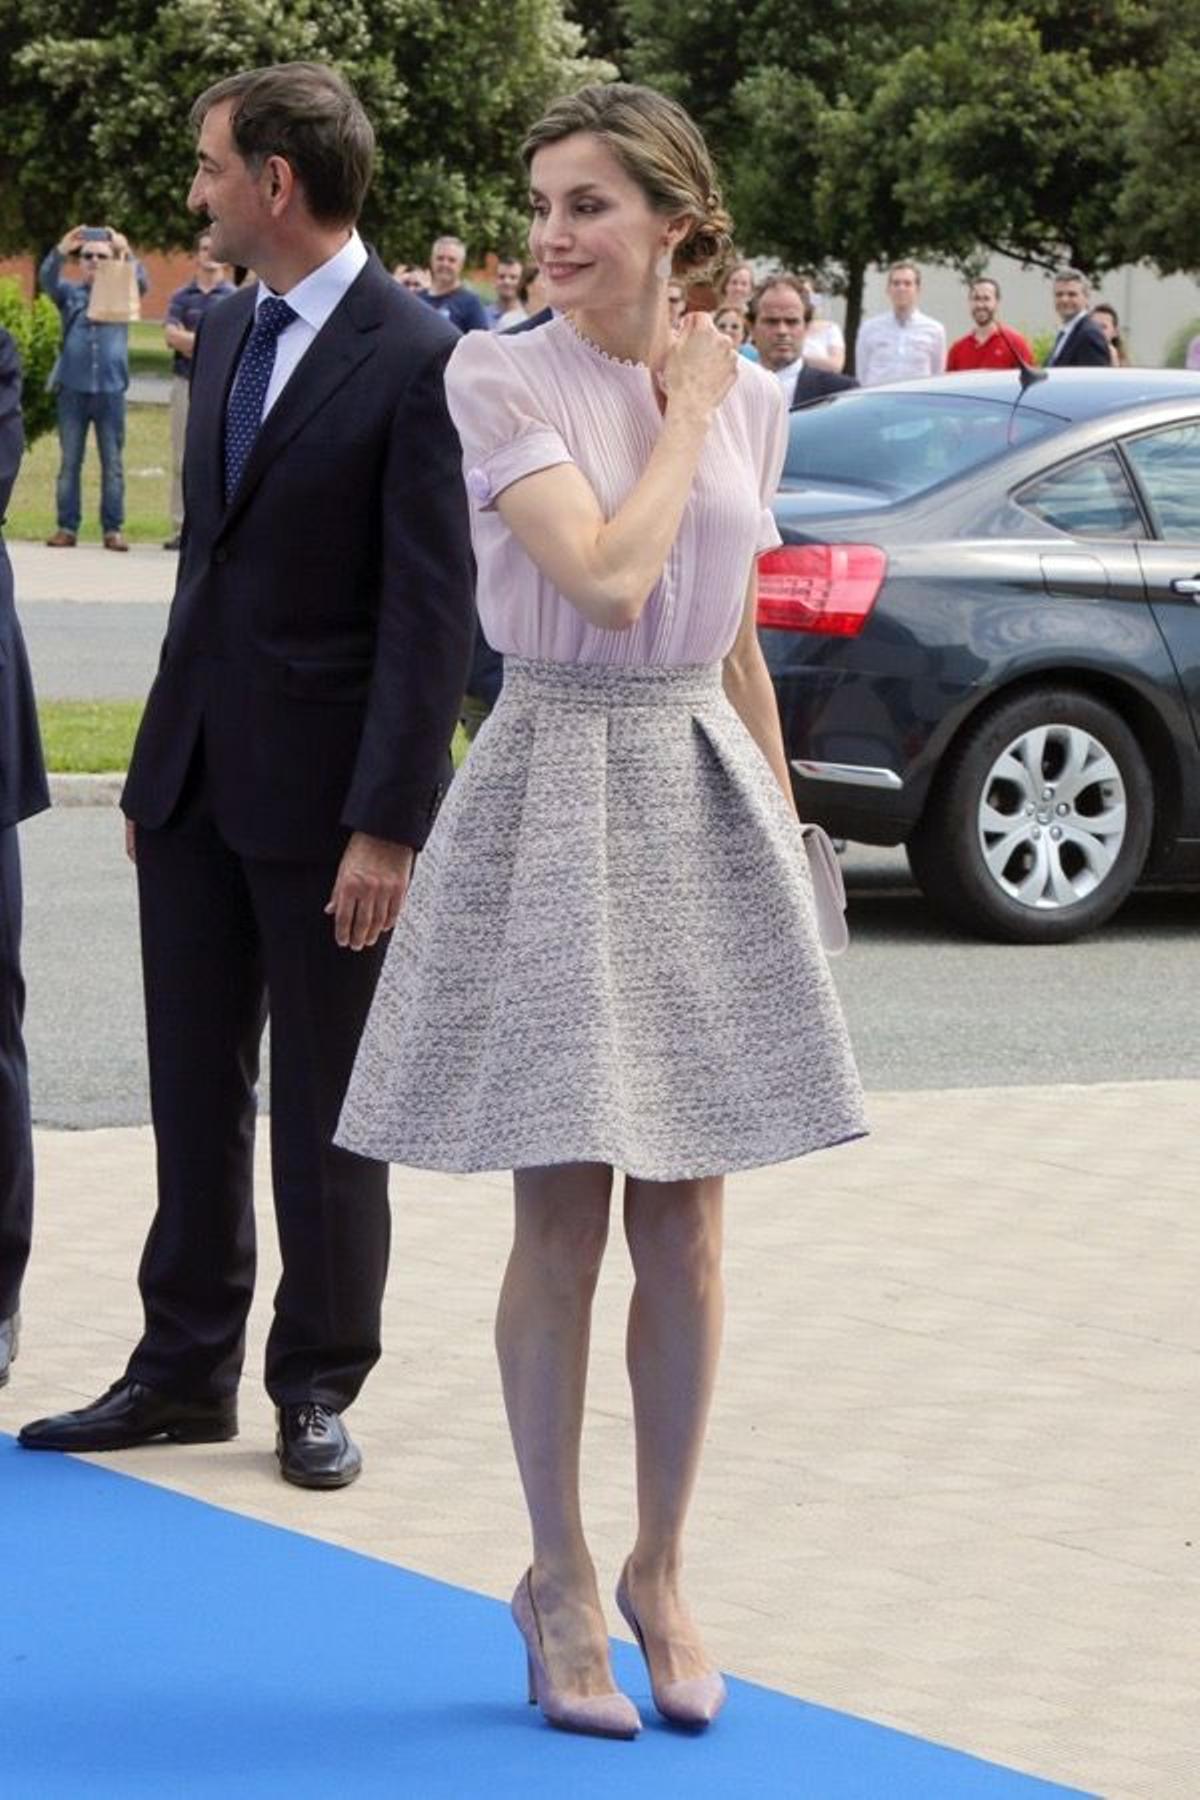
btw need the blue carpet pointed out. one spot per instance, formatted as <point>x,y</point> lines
<point>150,1644</point>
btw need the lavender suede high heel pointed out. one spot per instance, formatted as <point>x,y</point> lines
<point>695,1702</point>
<point>598,1715</point>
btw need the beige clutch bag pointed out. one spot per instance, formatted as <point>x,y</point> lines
<point>829,890</point>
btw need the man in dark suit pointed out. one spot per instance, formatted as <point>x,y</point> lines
<point>22,792</point>
<point>781,311</point>
<point>289,765</point>
<point>1080,342</point>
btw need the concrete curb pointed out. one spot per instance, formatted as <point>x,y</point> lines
<point>87,790</point>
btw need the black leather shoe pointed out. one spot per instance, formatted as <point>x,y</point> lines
<point>130,1414</point>
<point>10,1337</point>
<point>314,1448</point>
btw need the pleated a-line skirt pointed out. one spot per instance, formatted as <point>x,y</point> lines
<point>609,951</point>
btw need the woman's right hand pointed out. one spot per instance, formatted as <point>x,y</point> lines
<point>701,367</point>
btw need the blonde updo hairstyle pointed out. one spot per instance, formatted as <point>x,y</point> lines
<point>660,148</point>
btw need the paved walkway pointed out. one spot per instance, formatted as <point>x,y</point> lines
<point>951,1478</point>
<point>89,572</point>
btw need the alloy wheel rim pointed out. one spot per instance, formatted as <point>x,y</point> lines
<point>1052,817</point>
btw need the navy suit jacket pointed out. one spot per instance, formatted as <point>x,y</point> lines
<point>321,627</point>
<point>1086,347</point>
<point>23,789</point>
<point>814,384</point>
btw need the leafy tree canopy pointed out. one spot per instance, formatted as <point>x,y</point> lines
<point>96,106</point>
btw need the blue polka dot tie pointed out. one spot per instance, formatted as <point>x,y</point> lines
<point>244,413</point>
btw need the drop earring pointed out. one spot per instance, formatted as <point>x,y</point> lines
<point>662,267</point>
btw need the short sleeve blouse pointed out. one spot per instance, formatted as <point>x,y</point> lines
<point>526,401</point>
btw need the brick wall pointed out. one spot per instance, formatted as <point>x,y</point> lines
<point>166,272</point>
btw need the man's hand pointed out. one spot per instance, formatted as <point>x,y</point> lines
<point>131,840</point>
<point>71,242</point>
<point>120,242</point>
<point>372,880</point>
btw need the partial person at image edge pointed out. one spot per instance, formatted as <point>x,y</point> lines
<point>23,792</point>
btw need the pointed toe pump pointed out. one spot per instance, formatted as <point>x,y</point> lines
<point>597,1715</point>
<point>694,1702</point>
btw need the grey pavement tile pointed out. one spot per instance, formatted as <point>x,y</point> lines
<point>950,1477</point>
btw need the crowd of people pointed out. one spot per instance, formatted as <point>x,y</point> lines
<point>776,318</point>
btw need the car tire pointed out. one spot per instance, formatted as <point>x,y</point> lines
<point>1039,820</point>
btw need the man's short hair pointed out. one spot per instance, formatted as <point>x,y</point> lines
<point>310,116</point>
<point>984,281</point>
<point>1078,275</point>
<point>781,279</point>
<point>448,237</point>
<point>502,257</point>
<point>895,268</point>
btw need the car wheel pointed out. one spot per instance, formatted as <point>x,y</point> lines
<point>1039,821</point>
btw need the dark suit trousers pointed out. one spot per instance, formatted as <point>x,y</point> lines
<point>16,1140</point>
<point>224,938</point>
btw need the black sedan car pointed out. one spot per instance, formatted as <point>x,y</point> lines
<point>984,632</point>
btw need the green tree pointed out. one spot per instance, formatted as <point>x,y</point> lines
<point>36,330</point>
<point>803,105</point>
<point>605,28</point>
<point>1160,201</point>
<point>1019,138</point>
<point>850,134</point>
<point>96,117</point>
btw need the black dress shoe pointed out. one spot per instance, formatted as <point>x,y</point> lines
<point>130,1414</point>
<point>314,1448</point>
<point>10,1336</point>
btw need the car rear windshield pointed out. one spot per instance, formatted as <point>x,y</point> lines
<point>901,444</point>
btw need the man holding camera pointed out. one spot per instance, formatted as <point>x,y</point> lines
<point>90,379</point>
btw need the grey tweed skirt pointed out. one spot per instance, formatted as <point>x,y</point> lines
<point>609,951</point>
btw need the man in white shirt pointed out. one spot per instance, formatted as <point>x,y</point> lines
<point>506,310</point>
<point>905,343</point>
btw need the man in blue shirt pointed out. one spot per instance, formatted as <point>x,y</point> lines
<point>185,309</point>
<point>448,295</point>
<point>90,378</point>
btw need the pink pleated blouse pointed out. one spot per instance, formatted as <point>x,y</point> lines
<point>524,401</point>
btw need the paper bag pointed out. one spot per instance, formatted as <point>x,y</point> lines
<point>114,299</point>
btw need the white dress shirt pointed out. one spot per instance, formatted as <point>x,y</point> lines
<point>786,377</point>
<point>892,349</point>
<point>312,300</point>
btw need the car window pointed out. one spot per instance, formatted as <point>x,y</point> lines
<point>903,444</point>
<point>1167,463</point>
<point>1089,498</point>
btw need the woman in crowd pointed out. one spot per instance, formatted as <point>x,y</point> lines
<point>609,958</point>
<point>824,344</point>
<point>730,321</point>
<point>736,286</point>
<point>1106,318</point>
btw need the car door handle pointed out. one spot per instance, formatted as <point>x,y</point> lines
<point>1185,585</point>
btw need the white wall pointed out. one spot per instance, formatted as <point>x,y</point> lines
<point>1151,306</point>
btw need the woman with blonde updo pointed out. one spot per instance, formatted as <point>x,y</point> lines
<point>609,959</point>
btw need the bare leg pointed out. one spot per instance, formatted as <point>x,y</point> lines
<point>674,1340</point>
<point>543,1327</point>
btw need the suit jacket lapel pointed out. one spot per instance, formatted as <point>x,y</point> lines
<point>343,342</point>
<point>224,330</point>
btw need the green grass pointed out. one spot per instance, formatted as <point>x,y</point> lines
<point>149,354</point>
<point>147,482</point>
<point>88,736</point>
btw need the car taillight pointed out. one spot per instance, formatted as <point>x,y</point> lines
<point>828,588</point>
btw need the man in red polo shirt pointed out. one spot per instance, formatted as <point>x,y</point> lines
<point>991,345</point>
